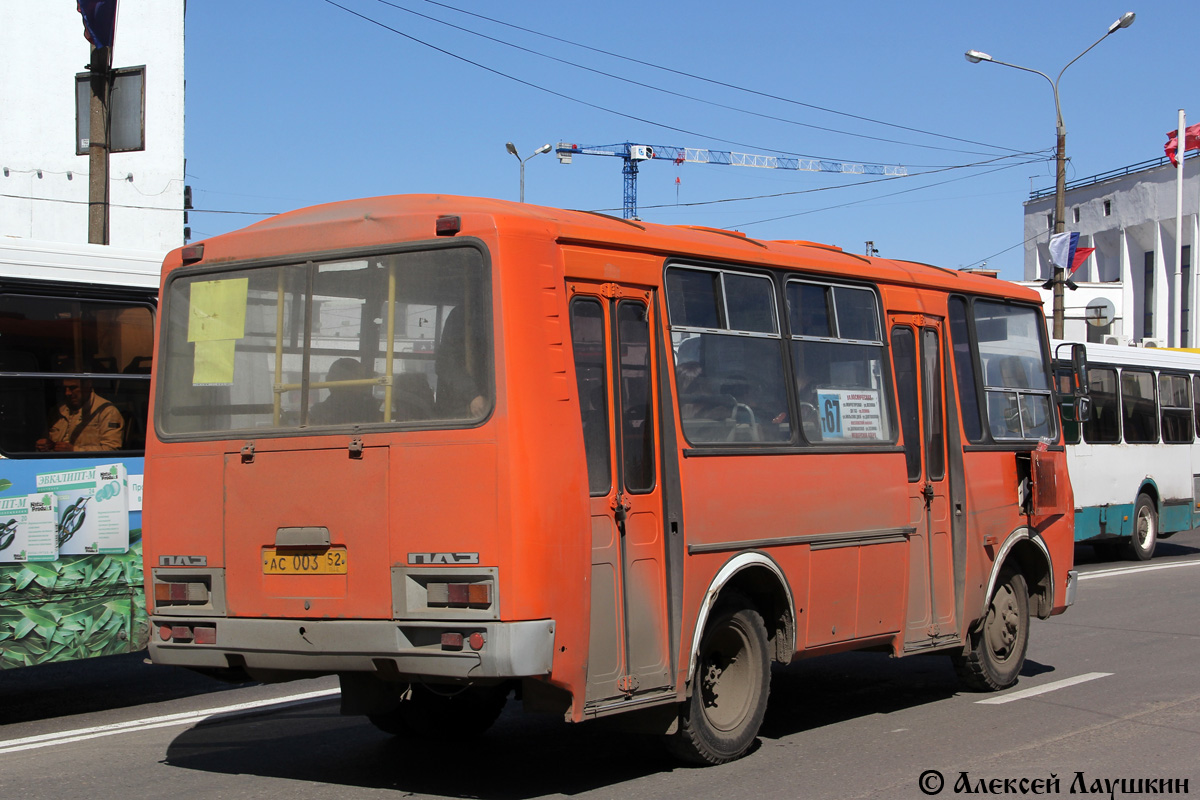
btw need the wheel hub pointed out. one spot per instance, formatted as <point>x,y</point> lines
<point>1003,624</point>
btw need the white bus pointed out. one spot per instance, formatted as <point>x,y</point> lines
<point>76,340</point>
<point>1134,462</point>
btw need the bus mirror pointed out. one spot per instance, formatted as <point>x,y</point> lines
<point>1083,408</point>
<point>1079,367</point>
<point>1078,378</point>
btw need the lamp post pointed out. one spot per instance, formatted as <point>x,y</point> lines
<point>512,148</point>
<point>1060,177</point>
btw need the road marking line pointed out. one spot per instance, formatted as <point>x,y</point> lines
<point>165,721</point>
<point>1128,570</point>
<point>1048,687</point>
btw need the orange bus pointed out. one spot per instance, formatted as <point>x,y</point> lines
<point>447,448</point>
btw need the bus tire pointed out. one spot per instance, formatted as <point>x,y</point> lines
<point>1145,530</point>
<point>996,649</point>
<point>438,715</point>
<point>720,720</point>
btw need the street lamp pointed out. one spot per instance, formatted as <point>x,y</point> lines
<point>1060,181</point>
<point>512,148</point>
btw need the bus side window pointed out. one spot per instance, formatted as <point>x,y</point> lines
<point>1104,426</point>
<point>22,404</point>
<point>1139,415</point>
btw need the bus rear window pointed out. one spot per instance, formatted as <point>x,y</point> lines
<point>398,339</point>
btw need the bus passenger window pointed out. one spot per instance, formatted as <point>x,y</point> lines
<point>1104,426</point>
<point>1176,409</point>
<point>591,376</point>
<point>839,360</point>
<point>964,369</point>
<point>728,357</point>
<point>1196,402</point>
<point>1139,414</point>
<point>79,374</point>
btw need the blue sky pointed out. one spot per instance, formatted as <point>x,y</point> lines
<point>323,103</point>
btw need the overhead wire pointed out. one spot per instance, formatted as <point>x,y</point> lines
<point>880,197</point>
<point>670,92</point>
<point>562,95</point>
<point>712,81</point>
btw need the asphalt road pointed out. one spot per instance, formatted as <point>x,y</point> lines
<point>1117,675</point>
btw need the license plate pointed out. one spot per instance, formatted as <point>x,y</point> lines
<point>324,561</point>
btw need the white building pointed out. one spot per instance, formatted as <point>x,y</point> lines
<point>43,178</point>
<point>1128,215</point>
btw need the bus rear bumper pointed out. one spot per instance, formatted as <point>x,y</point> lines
<point>277,647</point>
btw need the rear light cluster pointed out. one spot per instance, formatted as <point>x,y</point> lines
<point>455,640</point>
<point>458,595</point>
<point>182,634</point>
<point>180,593</point>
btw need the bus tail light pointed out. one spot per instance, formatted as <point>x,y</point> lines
<point>459,595</point>
<point>182,634</point>
<point>455,640</point>
<point>177,593</point>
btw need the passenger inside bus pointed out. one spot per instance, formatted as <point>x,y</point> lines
<point>85,421</point>
<point>412,397</point>
<point>353,403</point>
<point>459,370</point>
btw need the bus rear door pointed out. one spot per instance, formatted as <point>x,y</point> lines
<point>615,364</point>
<point>917,350</point>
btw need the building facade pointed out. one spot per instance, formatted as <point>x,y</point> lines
<point>43,175</point>
<point>1127,289</point>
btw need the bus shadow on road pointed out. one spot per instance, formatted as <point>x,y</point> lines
<point>820,692</point>
<point>528,755</point>
<point>522,756</point>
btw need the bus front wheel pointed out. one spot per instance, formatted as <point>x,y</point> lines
<point>720,720</point>
<point>1145,530</point>
<point>996,649</point>
<point>436,714</point>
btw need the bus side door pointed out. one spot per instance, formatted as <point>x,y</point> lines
<point>920,383</point>
<point>615,363</point>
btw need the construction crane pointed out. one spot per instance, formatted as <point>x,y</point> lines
<point>633,154</point>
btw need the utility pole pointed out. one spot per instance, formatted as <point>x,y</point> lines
<point>98,145</point>
<point>1058,278</point>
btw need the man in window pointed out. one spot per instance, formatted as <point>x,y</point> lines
<point>86,421</point>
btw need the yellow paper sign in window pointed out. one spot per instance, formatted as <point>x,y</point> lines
<point>214,363</point>
<point>218,310</point>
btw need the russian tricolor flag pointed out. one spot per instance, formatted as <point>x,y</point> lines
<point>99,21</point>
<point>1065,251</point>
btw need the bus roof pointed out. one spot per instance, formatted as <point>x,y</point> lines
<point>379,221</point>
<point>79,263</point>
<point>1160,357</point>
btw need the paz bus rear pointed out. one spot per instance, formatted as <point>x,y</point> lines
<point>448,447</point>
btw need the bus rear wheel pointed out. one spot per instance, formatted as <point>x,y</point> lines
<point>720,720</point>
<point>996,649</point>
<point>1145,530</point>
<point>435,714</point>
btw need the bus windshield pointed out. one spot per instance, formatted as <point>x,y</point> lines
<point>1015,376</point>
<point>401,338</point>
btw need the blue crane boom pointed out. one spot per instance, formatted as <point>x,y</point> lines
<point>633,154</point>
